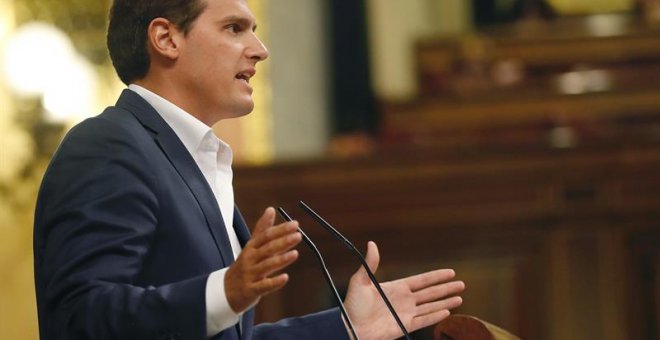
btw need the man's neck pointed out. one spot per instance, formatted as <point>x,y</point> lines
<point>171,92</point>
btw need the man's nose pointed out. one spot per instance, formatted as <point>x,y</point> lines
<point>258,51</point>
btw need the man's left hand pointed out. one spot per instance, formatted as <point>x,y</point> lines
<point>420,300</point>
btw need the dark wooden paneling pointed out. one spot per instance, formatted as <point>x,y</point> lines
<point>533,237</point>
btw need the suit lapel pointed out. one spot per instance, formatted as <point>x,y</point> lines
<point>184,164</point>
<point>242,231</point>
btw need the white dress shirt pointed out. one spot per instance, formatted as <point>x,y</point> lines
<point>214,158</point>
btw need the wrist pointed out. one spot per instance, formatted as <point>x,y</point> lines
<point>237,298</point>
<point>348,329</point>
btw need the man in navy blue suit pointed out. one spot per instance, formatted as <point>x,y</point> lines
<point>136,232</point>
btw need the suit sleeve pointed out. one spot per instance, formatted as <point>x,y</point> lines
<point>95,220</point>
<point>326,325</point>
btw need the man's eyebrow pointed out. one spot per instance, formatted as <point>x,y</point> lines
<point>243,21</point>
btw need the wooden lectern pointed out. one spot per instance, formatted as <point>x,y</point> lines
<point>465,327</point>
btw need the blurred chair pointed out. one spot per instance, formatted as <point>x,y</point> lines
<point>465,327</point>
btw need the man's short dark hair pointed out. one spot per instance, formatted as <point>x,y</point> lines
<point>127,31</point>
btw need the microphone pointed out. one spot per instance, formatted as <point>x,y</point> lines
<point>357,253</point>
<point>326,274</point>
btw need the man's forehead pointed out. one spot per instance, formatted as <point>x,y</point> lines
<point>223,9</point>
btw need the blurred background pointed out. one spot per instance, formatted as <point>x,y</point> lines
<point>516,141</point>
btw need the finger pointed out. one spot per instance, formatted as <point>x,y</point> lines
<point>271,284</point>
<point>277,246</point>
<point>373,259</point>
<point>373,256</point>
<point>275,263</point>
<point>439,291</point>
<point>274,232</point>
<point>427,279</point>
<point>428,320</point>
<point>435,306</point>
<point>266,220</point>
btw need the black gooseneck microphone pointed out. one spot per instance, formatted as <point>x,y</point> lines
<point>326,274</point>
<point>357,253</point>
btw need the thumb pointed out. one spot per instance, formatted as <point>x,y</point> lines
<point>372,259</point>
<point>265,221</point>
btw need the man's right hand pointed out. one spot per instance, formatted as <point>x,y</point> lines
<point>269,250</point>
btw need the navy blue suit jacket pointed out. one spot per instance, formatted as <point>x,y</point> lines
<point>127,231</point>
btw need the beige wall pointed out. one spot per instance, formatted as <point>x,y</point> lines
<point>299,79</point>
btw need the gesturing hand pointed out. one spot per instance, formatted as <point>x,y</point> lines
<point>268,251</point>
<point>420,300</point>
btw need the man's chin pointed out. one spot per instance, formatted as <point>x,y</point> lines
<point>246,110</point>
<point>241,110</point>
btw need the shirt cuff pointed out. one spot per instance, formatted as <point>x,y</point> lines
<point>219,315</point>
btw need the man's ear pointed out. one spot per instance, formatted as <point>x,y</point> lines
<point>164,38</point>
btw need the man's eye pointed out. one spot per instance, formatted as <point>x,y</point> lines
<point>235,28</point>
